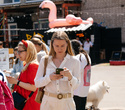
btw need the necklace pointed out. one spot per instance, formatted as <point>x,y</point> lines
<point>60,61</point>
<point>57,62</point>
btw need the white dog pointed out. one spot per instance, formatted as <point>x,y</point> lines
<point>96,93</point>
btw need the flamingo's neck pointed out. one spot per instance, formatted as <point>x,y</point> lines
<point>52,13</point>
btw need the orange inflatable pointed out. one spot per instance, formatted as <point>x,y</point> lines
<point>70,19</point>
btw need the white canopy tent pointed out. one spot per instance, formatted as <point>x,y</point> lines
<point>81,27</point>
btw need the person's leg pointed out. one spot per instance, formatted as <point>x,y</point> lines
<point>77,102</point>
<point>84,103</point>
<point>66,104</point>
<point>80,102</point>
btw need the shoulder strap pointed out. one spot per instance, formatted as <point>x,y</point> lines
<point>29,96</point>
<point>80,57</point>
<point>45,64</point>
<point>2,76</point>
<point>86,58</point>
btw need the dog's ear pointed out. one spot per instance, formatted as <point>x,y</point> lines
<point>103,83</point>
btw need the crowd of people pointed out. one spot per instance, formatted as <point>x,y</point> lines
<point>65,90</point>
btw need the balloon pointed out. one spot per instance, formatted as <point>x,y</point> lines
<point>70,19</point>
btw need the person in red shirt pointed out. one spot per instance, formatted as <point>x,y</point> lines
<point>24,85</point>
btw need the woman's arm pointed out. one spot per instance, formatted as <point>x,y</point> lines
<point>26,86</point>
<point>76,75</point>
<point>41,81</point>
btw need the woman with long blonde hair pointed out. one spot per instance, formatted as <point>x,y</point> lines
<point>40,47</point>
<point>24,85</point>
<point>59,86</point>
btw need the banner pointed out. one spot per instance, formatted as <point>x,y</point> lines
<point>27,35</point>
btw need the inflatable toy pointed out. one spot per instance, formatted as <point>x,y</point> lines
<point>70,19</point>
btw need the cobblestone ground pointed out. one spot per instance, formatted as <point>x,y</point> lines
<point>115,77</point>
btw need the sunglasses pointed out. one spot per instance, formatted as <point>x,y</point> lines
<point>21,51</point>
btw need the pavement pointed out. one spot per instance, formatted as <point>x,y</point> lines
<point>115,77</point>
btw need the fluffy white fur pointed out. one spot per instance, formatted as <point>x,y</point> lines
<point>96,92</point>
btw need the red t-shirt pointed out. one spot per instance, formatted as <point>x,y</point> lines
<point>28,76</point>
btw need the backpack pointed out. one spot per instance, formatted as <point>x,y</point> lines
<point>6,99</point>
<point>87,71</point>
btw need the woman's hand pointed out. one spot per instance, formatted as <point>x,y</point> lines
<point>11,80</point>
<point>5,71</point>
<point>66,73</point>
<point>54,76</point>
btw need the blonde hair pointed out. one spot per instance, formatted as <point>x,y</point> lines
<point>31,53</point>
<point>37,36</point>
<point>60,35</point>
<point>40,43</point>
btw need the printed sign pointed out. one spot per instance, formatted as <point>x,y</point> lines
<point>4,59</point>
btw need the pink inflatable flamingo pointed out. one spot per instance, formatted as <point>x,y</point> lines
<point>70,19</point>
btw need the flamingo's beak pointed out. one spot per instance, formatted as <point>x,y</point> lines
<point>40,6</point>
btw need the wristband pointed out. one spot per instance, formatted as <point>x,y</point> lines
<point>18,82</point>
